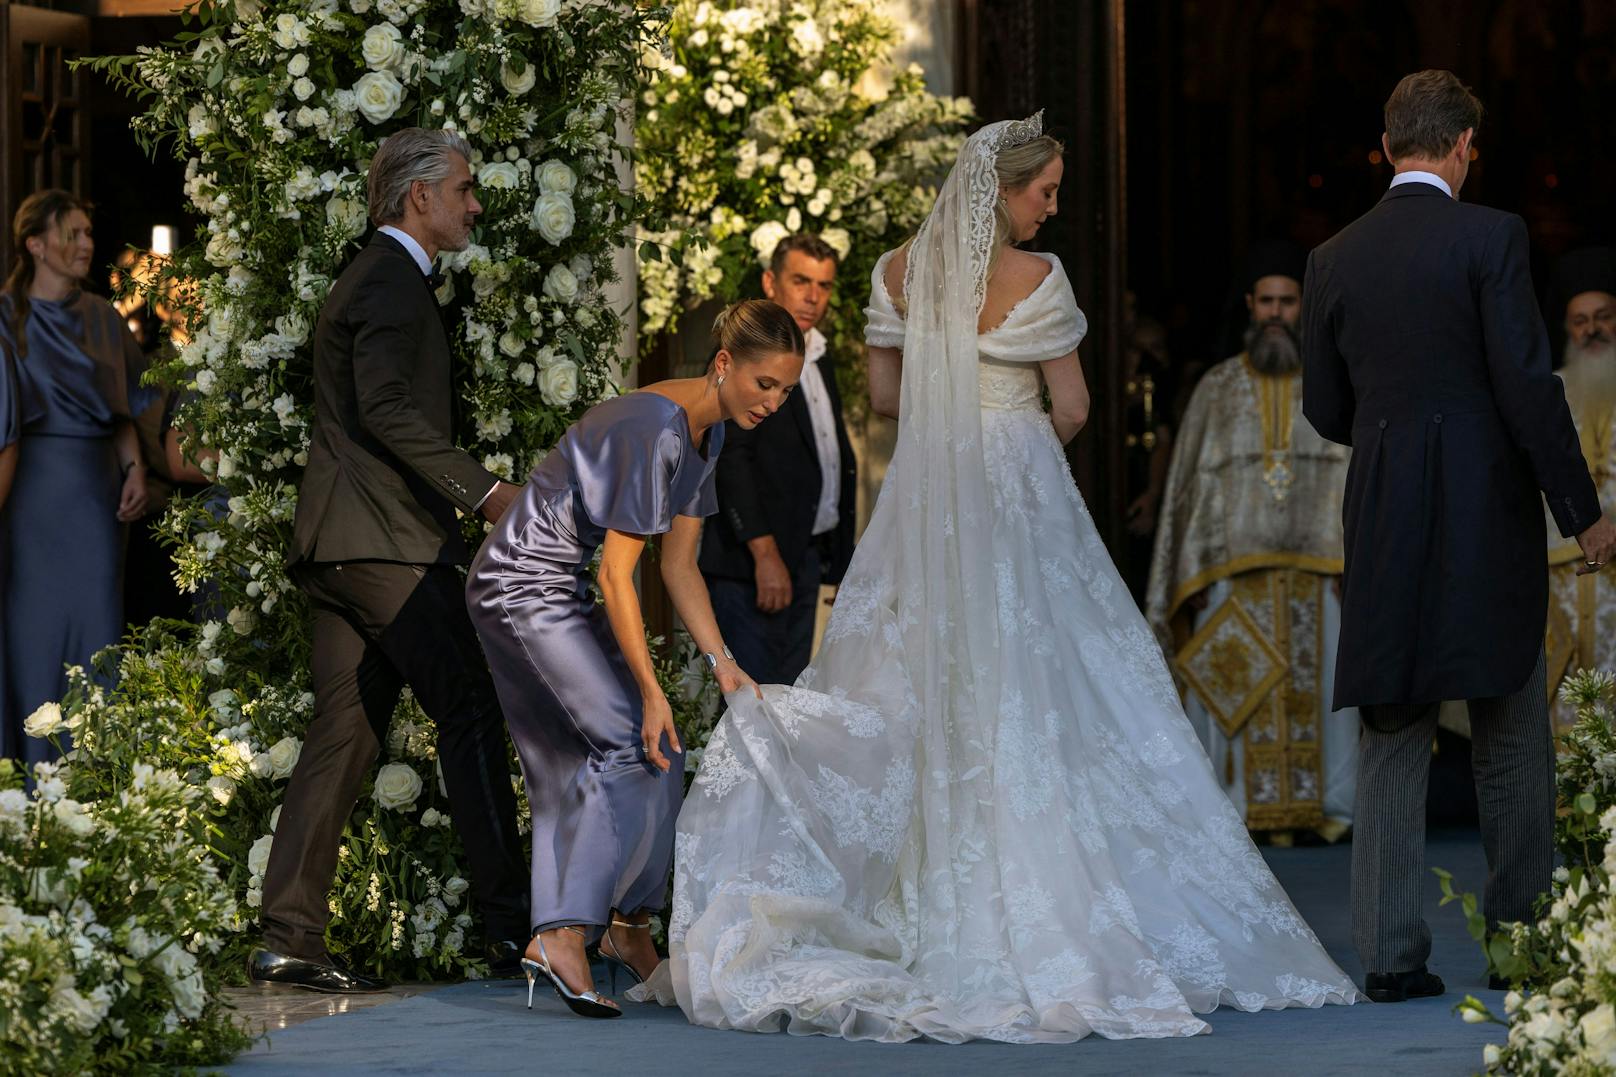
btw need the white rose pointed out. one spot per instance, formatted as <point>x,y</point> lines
<point>397,786</point>
<point>510,344</point>
<point>200,121</point>
<point>290,31</point>
<point>499,176</point>
<point>382,47</point>
<point>766,237</point>
<point>1599,1033</point>
<point>303,89</point>
<point>189,996</point>
<point>298,66</point>
<point>517,83</point>
<point>536,12</point>
<point>560,284</point>
<point>45,720</point>
<point>793,219</point>
<point>839,240</point>
<point>283,756</point>
<point>553,216</point>
<point>222,788</point>
<point>558,383</point>
<point>1490,1054</point>
<point>555,177</point>
<point>81,1012</point>
<point>377,95</point>
<point>258,855</point>
<point>247,10</point>
<point>523,373</point>
<point>294,328</point>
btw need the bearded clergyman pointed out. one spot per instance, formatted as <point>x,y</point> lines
<point>1246,571</point>
<point>1582,609</point>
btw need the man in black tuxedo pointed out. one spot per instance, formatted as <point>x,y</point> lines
<point>1424,350</point>
<point>375,545</point>
<point>785,492</point>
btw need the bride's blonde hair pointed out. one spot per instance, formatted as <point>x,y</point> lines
<point>1015,167</point>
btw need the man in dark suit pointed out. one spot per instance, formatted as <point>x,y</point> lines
<point>374,546</point>
<point>1424,350</point>
<point>785,492</point>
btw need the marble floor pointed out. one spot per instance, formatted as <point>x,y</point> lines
<point>261,1011</point>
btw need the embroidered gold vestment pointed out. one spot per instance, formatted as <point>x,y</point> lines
<point>1253,498</point>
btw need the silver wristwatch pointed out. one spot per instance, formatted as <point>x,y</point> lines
<point>712,659</point>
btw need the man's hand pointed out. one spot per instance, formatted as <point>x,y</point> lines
<point>773,582</point>
<point>1598,546</point>
<point>498,500</point>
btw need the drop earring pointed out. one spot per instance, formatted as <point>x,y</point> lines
<point>720,379</point>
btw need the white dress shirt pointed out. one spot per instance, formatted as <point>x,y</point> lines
<point>418,252</point>
<point>1414,175</point>
<point>823,420</point>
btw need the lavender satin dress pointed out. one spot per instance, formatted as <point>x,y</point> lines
<point>603,817</point>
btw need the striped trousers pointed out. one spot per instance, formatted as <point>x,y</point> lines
<point>1512,749</point>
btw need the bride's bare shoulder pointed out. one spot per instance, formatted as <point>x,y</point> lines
<point>892,277</point>
<point>1020,273</point>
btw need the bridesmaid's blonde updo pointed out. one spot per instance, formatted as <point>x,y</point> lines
<point>755,328</point>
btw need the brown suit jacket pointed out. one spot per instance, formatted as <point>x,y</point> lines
<point>384,477</point>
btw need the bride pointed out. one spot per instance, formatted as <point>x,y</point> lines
<point>981,813</point>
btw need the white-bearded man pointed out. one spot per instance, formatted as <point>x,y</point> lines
<point>1582,609</point>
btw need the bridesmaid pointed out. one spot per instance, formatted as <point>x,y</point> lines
<point>600,755</point>
<point>71,474</point>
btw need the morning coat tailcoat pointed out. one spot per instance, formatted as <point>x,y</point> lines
<point>1424,350</point>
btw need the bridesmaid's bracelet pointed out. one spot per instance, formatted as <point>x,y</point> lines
<point>712,659</point>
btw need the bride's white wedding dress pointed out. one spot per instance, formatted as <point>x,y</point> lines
<point>981,813</point>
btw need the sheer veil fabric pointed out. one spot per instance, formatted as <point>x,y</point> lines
<point>981,812</point>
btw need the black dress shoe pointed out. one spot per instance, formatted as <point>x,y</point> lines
<point>1402,986</point>
<point>504,959</point>
<point>266,968</point>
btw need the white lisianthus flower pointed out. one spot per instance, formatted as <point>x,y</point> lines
<point>523,375</point>
<point>560,284</point>
<point>298,66</point>
<point>498,176</point>
<point>382,47</point>
<point>555,177</point>
<point>553,216</point>
<point>559,383</point>
<point>283,757</point>
<point>258,855</point>
<point>222,788</point>
<point>71,814</point>
<point>377,96</point>
<point>397,786</point>
<point>46,719</point>
<point>766,237</point>
<point>516,82</point>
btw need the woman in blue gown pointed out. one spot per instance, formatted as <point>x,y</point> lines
<point>71,474</point>
<point>600,756</point>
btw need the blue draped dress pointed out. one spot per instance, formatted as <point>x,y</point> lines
<point>603,816</point>
<point>61,545</point>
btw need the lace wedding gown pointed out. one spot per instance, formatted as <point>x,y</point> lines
<point>981,812</point>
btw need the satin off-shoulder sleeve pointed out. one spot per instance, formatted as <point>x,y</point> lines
<point>625,475</point>
<point>1046,325</point>
<point>883,328</point>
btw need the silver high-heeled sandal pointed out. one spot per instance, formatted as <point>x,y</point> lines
<point>582,1003</point>
<point>612,959</point>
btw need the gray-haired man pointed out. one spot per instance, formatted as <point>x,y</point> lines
<point>374,547</point>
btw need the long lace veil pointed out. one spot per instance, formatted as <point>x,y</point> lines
<point>938,480</point>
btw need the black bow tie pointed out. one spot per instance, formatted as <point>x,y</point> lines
<point>435,279</point>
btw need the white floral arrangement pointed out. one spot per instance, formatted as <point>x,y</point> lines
<point>757,124</point>
<point>277,109</point>
<point>110,911</point>
<point>1561,1017</point>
